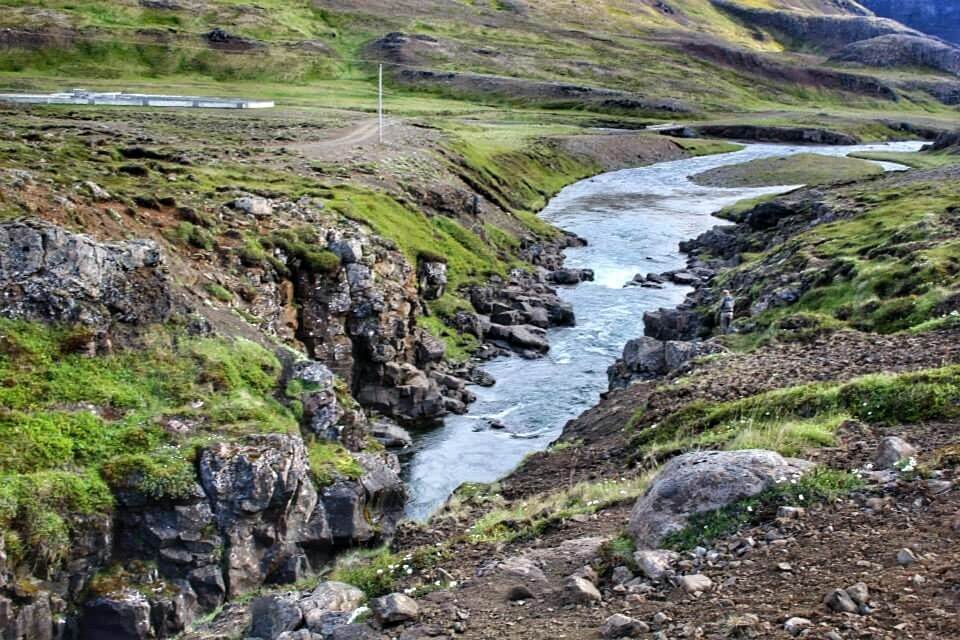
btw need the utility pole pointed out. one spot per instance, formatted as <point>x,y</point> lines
<point>380,102</point>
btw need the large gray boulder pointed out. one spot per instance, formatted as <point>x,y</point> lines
<point>49,273</point>
<point>704,481</point>
<point>648,358</point>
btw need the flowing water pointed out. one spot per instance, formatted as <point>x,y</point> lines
<point>633,221</point>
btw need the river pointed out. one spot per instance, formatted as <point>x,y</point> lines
<point>633,220</point>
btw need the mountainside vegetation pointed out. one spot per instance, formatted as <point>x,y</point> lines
<point>217,326</point>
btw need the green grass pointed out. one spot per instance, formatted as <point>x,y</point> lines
<point>799,169</point>
<point>820,485</point>
<point>697,147</point>
<point>330,461</point>
<point>797,418</point>
<point>74,426</point>
<point>527,519</point>
<point>857,266</point>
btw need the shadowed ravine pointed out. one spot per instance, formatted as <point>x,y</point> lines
<point>633,221</point>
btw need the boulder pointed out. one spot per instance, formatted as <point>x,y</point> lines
<point>696,583</point>
<point>432,278</point>
<point>655,564</point>
<point>394,608</point>
<point>520,337</point>
<point>795,626</point>
<point>270,616</point>
<point>254,206</point>
<point>264,504</point>
<point>892,450</point>
<point>390,434</point>
<point>676,354</point>
<point>839,601</point>
<point>577,590</point>
<point>621,626</point>
<point>121,616</point>
<point>48,273</point>
<point>671,324</point>
<point>704,481</point>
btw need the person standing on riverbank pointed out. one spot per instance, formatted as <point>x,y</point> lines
<point>727,304</point>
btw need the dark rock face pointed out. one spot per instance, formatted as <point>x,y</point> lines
<point>680,323</point>
<point>264,504</point>
<point>48,273</point>
<point>360,322</point>
<point>902,51</point>
<point>936,17</point>
<point>123,617</point>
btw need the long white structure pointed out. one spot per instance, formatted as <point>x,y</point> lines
<point>116,98</point>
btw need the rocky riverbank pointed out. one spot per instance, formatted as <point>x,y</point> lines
<point>211,371</point>
<point>841,520</point>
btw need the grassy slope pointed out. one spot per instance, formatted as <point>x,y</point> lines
<point>872,288</point>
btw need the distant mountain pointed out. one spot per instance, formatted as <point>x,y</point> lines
<point>936,17</point>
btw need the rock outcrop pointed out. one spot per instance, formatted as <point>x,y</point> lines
<point>704,481</point>
<point>647,358</point>
<point>51,274</point>
<point>898,50</point>
<point>936,17</point>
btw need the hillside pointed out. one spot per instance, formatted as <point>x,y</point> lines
<point>221,330</point>
<point>937,17</point>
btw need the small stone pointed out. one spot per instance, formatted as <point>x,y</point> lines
<point>587,573</point>
<point>96,191</point>
<point>655,564</point>
<point>794,626</point>
<point>840,601</point>
<point>621,575</point>
<point>791,513</point>
<point>892,450</point>
<point>695,583</point>
<point>519,593</point>
<point>906,557</point>
<point>660,618</point>
<point>859,593</point>
<point>394,609</point>
<point>785,567</point>
<point>581,591</point>
<point>621,626</point>
<point>918,580</point>
<point>254,205</point>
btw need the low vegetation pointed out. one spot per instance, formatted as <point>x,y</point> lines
<point>799,169</point>
<point>794,419</point>
<point>75,425</point>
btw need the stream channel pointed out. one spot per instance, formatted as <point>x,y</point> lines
<point>633,221</point>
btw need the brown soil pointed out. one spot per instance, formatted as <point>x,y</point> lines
<point>837,356</point>
<point>833,546</point>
